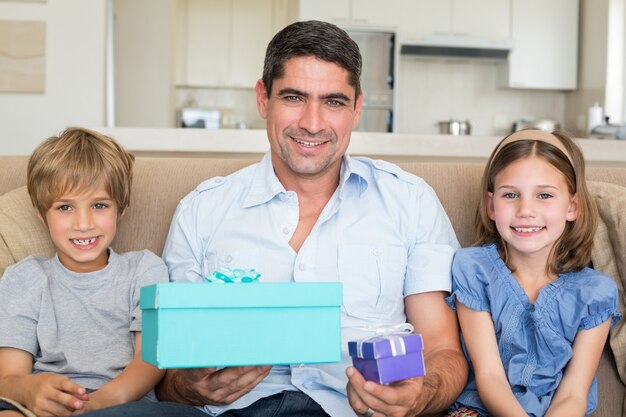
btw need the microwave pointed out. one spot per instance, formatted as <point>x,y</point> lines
<point>196,117</point>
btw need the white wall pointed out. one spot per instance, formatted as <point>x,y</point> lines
<point>75,74</point>
<point>434,90</point>
<point>592,63</point>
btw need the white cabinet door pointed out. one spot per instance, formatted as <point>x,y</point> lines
<point>375,13</point>
<point>334,11</point>
<point>352,13</point>
<point>421,19</point>
<point>226,41</point>
<point>251,32</point>
<point>486,19</point>
<point>208,42</point>
<point>545,52</point>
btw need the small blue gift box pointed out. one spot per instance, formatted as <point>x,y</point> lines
<point>195,325</point>
<point>388,358</point>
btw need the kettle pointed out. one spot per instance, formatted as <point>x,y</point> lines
<point>455,127</point>
<point>545,124</point>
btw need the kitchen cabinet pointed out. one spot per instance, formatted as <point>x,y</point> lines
<point>351,13</point>
<point>455,21</point>
<point>225,41</point>
<point>545,53</point>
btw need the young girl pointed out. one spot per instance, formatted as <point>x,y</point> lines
<point>534,318</point>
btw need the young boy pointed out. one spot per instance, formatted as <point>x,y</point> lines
<point>70,326</point>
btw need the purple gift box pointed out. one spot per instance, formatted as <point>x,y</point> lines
<point>388,358</point>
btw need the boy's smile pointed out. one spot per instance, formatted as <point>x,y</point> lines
<point>82,225</point>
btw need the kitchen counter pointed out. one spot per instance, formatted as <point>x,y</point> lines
<point>396,147</point>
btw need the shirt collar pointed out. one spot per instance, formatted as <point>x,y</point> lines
<point>354,175</point>
<point>265,184</point>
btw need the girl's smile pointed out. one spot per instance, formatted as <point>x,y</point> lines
<point>531,205</point>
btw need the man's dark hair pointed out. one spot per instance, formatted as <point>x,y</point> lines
<point>322,40</point>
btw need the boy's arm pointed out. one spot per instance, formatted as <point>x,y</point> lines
<point>43,393</point>
<point>131,384</point>
<point>494,388</point>
<point>571,395</point>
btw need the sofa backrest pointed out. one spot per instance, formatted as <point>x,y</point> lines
<point>160,183</point>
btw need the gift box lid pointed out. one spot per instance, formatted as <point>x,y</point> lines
<point>378,347</point>
<point>259,294</point>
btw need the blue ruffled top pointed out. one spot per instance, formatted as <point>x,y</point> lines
<point>534,340</point>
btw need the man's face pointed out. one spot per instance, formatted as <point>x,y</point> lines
<point>310,115</point>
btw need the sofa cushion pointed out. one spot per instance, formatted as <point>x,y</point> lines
<point>21,232</point>
<point>609,255</point>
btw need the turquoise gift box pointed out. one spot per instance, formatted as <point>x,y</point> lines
<point>195,325</point>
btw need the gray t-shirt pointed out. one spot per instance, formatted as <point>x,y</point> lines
<point>80,325</point>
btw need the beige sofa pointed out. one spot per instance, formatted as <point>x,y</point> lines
<point>161,182</point>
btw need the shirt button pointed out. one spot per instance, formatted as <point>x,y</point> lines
<point>302,267</point>
<point>285,231</point>
<point>229,259</point>
<point>218,180</point>
<point>376,252</point>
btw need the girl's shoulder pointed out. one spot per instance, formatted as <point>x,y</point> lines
<point>479,263</point>
<point>475,252</point>
<point>477,257</point>
<point>593,294</point>
<point>591,280</point>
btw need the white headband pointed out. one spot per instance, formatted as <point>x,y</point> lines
<point>534,134</point>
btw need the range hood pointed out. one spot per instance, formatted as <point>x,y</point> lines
<point>457,47</point>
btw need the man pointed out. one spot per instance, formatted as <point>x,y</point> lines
<point>309,212</point>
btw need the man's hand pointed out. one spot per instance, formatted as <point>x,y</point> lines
<point>203,386</point>
<point>53,395</point>
<point>446,366</point>
<point>396,400</point>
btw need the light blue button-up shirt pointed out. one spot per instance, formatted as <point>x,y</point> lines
<point>383,234</point>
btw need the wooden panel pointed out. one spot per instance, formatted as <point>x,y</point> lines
<point>22,56</point>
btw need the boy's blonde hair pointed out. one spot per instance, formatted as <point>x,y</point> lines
<point>76,160</point>
<point>572,251</point>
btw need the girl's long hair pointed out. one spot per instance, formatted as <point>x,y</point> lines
<point>572,251</point>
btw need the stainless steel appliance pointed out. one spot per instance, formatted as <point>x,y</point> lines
<point>455,127</point>
<point>543,124</point>
<point>608,131</point>
<point>200,118</point>
<point>377,78</point>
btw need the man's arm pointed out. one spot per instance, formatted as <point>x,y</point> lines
<point>183,254</point>
<point>203,386</point>
<point>446,366</point>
